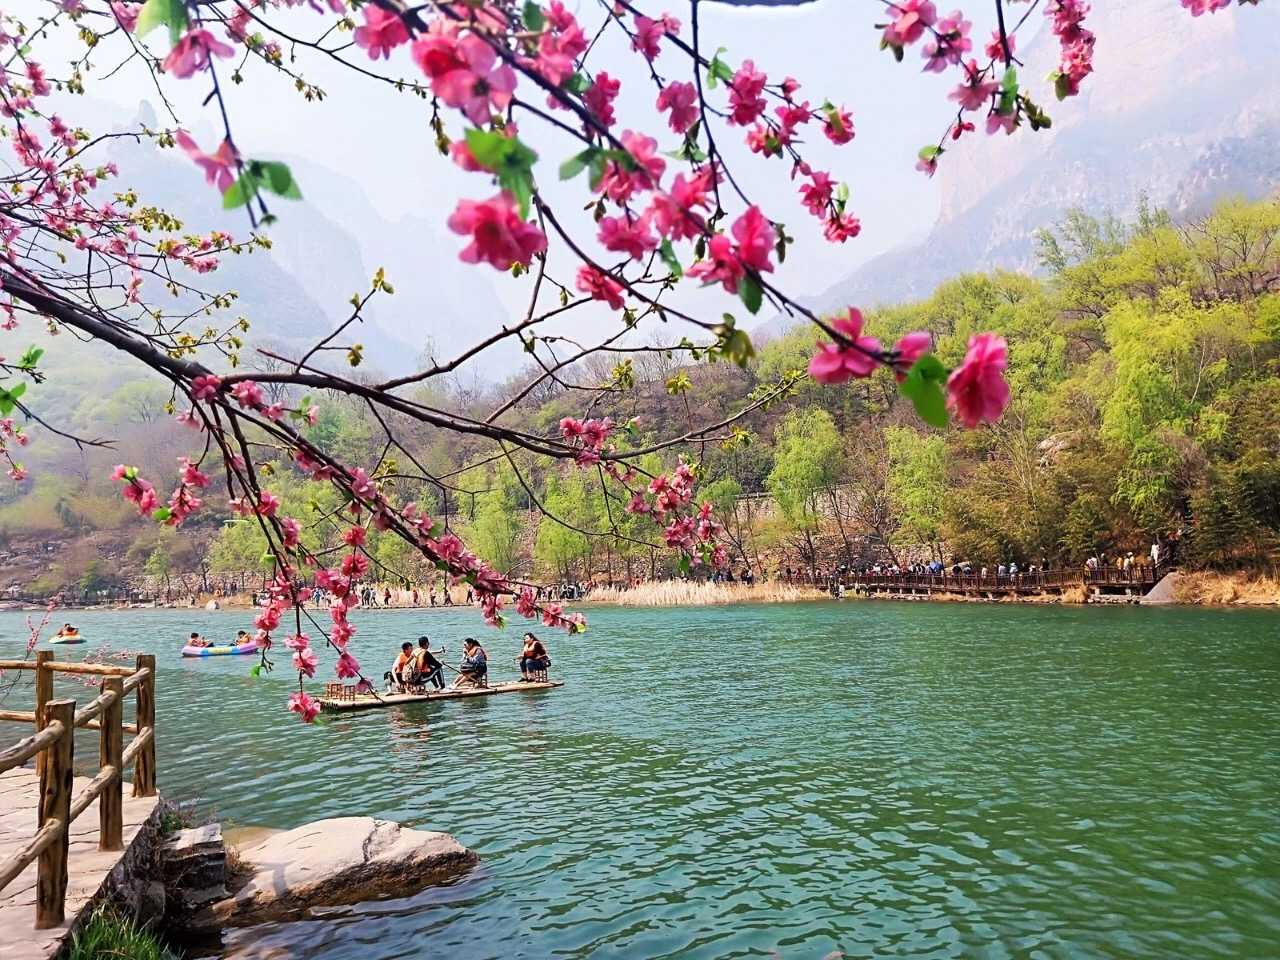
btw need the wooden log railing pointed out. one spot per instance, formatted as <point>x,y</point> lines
<point>1141,575</point>
<point>52,746</point>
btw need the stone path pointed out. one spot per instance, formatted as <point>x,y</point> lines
<point>87,867</point>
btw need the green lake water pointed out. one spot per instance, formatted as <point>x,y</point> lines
<point>877,778</point>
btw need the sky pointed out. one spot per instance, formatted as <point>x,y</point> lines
<point>380,138</point>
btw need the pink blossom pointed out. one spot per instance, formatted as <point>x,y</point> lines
<point>192,53</point>
<point>649,33</point>
<point>755,238</point>
<point>682,100</point>
<point>1198,7</point>
<point>675,214</point>
<point>382,32</point>
<point>629,235</point>
<point>951,45</point>
<point>126,14</point>
<point>498,236</point>
<point>306,707</point>
<point>347,666</point>
<point>191,475</point>
<point>838,126</point>
<point>976,390</point>
<point>840,228</point>
<point>745,91</point>
<point>909,348</point>
<point>619,182</point>
<point>720,266</point>
<point>600,286</point>
<point>248,394</point>
<point>838,362</point>
<point>816,195</point>
<point>910,18</point>
<point>268,504</point>
<point>975,92</point>
<point>362,486</point>
<point>995,49</point>
<point>436,52</point>
<point>299,641</point>
<point>205,387</point>
<point>599,97</point>
<point>525,604</point>
<point>479,85</point>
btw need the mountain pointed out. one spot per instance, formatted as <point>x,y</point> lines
<point>324,249</point>
<point>1184,111</point>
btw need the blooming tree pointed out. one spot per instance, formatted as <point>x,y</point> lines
<point>664,208</point>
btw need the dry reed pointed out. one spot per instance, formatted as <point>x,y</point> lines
<point>681,593</point>
<point>1227,588</point>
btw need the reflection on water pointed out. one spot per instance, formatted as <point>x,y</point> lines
<point>936,781</point>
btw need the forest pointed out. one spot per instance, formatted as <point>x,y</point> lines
<point>1144,365</point>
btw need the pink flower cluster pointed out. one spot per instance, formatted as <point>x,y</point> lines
<point>1076,58</point>
<point>728,260</point>
<point>976,390</point>
<point>588,437</point>
<point>499,237</point>
<point>694,534</point>
<point>136,490</point>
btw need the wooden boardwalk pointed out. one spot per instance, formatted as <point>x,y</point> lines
<point>1137,582</point>
<point>87,867</point>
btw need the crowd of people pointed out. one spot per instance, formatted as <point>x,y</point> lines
<point>417,669</point>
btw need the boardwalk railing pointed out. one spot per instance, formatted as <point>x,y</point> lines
<point>1138,575</point>
<point>53,747</point>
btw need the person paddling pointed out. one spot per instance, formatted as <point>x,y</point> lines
<point>426,668</point>
<point>197,641</point>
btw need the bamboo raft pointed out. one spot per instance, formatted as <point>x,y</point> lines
<point>370,701</point>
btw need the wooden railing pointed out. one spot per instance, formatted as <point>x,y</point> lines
<point>53,747</point>
<point>1139,575</point>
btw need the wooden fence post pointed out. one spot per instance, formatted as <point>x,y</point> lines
<point>110,801</point>
<point>44,693</point>
<point>55,803</point>
<point>144,768</point>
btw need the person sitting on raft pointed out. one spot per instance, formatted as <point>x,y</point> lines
<point>402,672</point>
<point>474,667</point>
<point>242,637</point>
<point>426,668</point>
<point>533,658</point>
<point>68,631</point>
<point>197,641</point>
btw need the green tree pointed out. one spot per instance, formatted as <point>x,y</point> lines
<point>808,455</point>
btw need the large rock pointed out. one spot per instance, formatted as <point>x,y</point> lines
<point>339,861</point>
<point>1166,591</point>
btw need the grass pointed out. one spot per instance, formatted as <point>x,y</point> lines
<point>1227,588</point>
<point>109,934</point>
<point>680,593</point>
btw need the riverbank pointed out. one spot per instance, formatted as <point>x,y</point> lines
<point>1202,589</point>
<point>1226,589</point>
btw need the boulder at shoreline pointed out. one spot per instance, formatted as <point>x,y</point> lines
<point>339,861</point>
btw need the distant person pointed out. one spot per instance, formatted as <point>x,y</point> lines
<point>533,657</point>
<point>426,668</point>
<point>386,596</point>
<point>196,640</point>
<point>473,670</point>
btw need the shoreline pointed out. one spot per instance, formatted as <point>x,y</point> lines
<point>1192,589</point>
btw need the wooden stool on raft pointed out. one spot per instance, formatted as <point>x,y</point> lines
<point>539,675</point>
<point>339,691</point>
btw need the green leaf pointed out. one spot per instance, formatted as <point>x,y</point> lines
<point>1009,83</point>
<point>738,347</point>
<point>30,358</point>
<point>923,385</point>
<point>533,17</point>
<point>750,291</point>
<point>156,12</point>
<point>1061,86</point>
<point>718,70</point>
<point>161,514</point>
<point>930,152</point>
<point>577,163</point>
<point>683,565</point>
<point>255,670</point>
<point>669,258</point>
<point>578,83</point>
<point>276,177</point>
<point>240,192</point>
